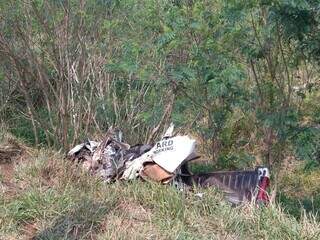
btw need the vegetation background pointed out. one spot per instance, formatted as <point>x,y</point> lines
<point>242,77</point>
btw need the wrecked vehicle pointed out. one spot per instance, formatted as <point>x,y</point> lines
<point>166,162</point>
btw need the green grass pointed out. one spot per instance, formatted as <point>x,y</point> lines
<point>300,189</point>
<point>60,201</point>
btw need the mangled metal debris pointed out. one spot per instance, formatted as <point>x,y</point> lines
<point>166,162</point>
<point>109,158</point>
<point>238,186</point>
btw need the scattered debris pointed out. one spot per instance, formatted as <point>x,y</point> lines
<point>166,162</point>
<point>199,195</point>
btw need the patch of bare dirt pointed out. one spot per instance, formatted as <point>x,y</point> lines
<point>7,172</point>
<point>11,153</point>
<point>7,184</point>
<point>29,231</point>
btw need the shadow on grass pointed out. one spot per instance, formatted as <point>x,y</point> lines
<point>81,223</point>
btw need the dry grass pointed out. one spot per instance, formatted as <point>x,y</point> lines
<point>301,184</point>
<point>55,200</point>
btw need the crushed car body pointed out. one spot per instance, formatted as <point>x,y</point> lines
<point>166,162</point>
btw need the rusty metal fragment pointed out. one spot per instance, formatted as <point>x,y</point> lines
<point>152,171</point>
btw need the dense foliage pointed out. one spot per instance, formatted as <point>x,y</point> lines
<point>239,75</point>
